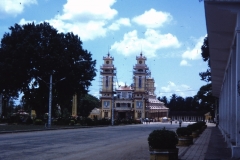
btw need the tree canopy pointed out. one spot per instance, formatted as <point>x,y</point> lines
<point>87,104</point>
<point>207,100</point>
<point>30,53</point>
<point>206,76</point>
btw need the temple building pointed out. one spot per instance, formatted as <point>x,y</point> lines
<point>135,101</point>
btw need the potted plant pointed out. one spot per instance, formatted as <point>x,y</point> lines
<point>162,144</point>
<point>195,127</point>
<point>202,125</point>
<point>184,136</point>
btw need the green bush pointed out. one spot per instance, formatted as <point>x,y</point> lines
<point>38,122</point>
<point>137,121</point>
<point>55,122</point>
<point>201,123</point>
<point>72,122</point>
<point>162,139</point>
<point>29,120</point>
<point>195,126</point>
<point>105,121</point>
<point>183,131</point>
<point>89,121</point>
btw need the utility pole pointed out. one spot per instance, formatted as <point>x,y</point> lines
<point>50,103</point>
<point>112,104</point>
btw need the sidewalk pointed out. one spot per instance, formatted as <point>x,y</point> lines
<point>209,145</point>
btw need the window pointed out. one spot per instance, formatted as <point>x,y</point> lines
<point>139,104</point>
<point>105,114</point>
<point>118,95</point>
<point>124,94</point>
<point>140,115</point>
<point>106,104</point>
<point>140,82</point>
<point>129,95</point>
<point>106,81</point>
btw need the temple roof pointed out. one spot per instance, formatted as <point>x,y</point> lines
<point>108,57</point>
<point>124,88</point>
<point>141,57</point>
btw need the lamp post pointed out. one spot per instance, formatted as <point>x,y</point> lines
<point>50,98</point>
<point>50,102</point>
<point>112,110</point>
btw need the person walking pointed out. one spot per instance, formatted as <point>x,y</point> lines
<point>180,123</point>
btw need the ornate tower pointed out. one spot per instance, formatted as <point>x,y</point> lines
<point>150,85</point>
<point>140,74</point>
<point>107,78</point>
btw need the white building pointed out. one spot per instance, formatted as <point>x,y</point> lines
<point>223,28</point>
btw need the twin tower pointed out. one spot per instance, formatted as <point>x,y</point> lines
<point>136,101</point>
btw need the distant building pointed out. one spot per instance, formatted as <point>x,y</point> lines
<point>135,101</point>
<point>192,116</point>
<point>95,114</point>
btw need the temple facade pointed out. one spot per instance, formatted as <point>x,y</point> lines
<point>134,101</point>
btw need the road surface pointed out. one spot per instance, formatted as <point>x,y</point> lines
<point>127,142</point>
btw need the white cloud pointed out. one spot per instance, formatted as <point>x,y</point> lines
<point>23,21</point>
<point>86,31</point>
<point>184,63</point>
<point>153,18</point>
<point>120,83</point>
<point>14,7</point>
<point>182,90</point>
<point>152,41</point>
<point>88,18</point>
<point>195,52</point>
<point>122,21</point>
<point>88,10</point>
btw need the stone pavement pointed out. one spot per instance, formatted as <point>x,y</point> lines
<point>210,145</point>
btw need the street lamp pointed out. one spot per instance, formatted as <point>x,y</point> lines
<point>50,102</point>
<point>50,98</point>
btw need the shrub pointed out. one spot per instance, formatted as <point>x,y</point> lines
<point>183,131</point>
<point>105,121</point>
<point>38,122</point>
<point>55,121</point>
<point>89,121</point>
<point>195,126</point>
<point>72,122</point>
<point>29,120</point>
<point>162,139</point>
<point>201,123</point>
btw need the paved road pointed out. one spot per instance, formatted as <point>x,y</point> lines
<point>101,143</point>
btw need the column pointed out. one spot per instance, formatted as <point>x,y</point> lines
<point>0,105</point>
<point>236,149</point>
<point>234,93</point>
<point>74,105</point>
<point>228,104</point>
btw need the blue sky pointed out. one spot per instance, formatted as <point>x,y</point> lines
<point>168,32</point>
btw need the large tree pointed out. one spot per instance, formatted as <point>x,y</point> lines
<point>204,94</point>
<point>206,76</point>
<point>164,100</point>
<point>87,103</point>
<point>30,53</point>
